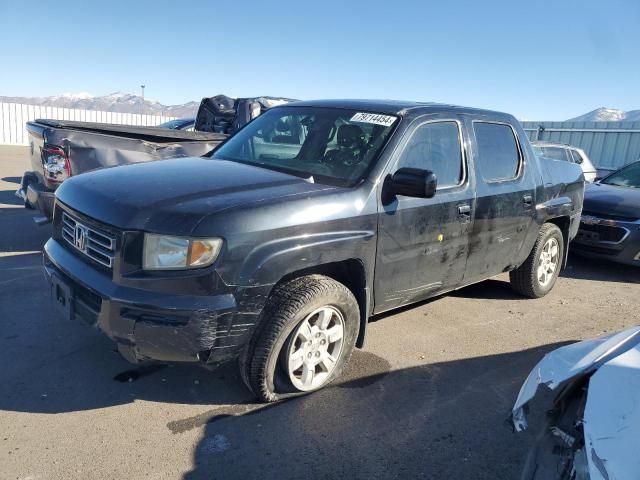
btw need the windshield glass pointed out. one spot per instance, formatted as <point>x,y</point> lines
<point>332,145</point>
<point>626,177</point>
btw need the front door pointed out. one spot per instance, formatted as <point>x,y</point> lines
<point>422,242</point>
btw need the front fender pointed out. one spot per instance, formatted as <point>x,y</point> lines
<point>267,263</point>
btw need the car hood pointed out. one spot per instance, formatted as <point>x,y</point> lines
<point>611,419</point>
<point>600,198</point>
<point>173,196</point>
<point>567,363</point>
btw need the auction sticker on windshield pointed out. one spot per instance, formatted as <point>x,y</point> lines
<point>375,118</point>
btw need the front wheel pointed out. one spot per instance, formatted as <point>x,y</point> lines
<point>538,274</point>
<point>304,339</point>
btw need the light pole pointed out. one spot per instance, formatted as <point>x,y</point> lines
<point>142,105</point>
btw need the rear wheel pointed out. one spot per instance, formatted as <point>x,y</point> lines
<point>538,274</point>
<point>304,339</point>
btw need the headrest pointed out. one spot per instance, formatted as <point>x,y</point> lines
<point>350,136</point>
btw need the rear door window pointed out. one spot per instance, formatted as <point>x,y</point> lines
<point>498,156</point>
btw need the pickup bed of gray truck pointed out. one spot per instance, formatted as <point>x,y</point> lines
<point>60,149</point>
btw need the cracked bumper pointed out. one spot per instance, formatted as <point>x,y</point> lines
<point>147,325</point>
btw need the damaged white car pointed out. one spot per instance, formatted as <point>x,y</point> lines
<point>594,425</point>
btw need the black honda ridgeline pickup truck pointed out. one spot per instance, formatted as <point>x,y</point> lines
<point>314,217</point>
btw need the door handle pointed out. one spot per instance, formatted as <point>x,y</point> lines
<point>528,200</point>
<point>464,209</point>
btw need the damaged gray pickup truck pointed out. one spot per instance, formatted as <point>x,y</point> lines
<point>307,222</point>
<point>60,149</point>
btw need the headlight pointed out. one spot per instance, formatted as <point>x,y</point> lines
<point>178,253</point>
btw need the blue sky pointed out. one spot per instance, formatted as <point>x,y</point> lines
<point>537,59</point>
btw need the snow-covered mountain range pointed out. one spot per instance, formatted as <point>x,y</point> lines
<point>114,102</point>
<point>130,103</point>
<point>604,114</point>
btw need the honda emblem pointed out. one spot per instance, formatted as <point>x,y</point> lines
<point>80,237</point>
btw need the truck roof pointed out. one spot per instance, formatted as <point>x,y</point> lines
<point>396,107</point>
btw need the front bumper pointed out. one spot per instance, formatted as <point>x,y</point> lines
<point>614,240</point>
<point>150,325</point>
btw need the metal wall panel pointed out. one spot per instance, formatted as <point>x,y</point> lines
<point>610,145</point>
<point>13,117</point>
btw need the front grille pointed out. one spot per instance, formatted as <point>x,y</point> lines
<point>605,232</point>
<point>579,247</point>
<point>98,246</point>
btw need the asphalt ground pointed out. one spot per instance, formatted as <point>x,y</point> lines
<point>426,398</point>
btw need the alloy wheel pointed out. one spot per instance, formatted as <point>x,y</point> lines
<point>314,348</point>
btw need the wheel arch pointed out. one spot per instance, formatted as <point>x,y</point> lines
<point>564,224</point>
<point>563,212</point>
<point>353,275</point>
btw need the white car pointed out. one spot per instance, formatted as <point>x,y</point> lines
<point>567,153</point>
<point>594,424</point>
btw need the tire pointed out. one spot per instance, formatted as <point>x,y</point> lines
<point>278,342</point>
<point>527,279</point>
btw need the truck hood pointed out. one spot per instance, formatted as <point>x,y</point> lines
<point>173,196</point>
<point>600,198</point>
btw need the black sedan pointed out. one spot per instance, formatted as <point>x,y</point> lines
<point>610,224</point>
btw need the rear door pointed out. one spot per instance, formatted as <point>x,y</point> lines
<point>505,200</point>
<point>422,242</point>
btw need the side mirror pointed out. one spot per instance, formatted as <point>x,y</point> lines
<point>413,182</point>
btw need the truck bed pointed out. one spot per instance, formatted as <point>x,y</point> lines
<point>97,145</point>
<point>90,146</point>
<point>155,134</point>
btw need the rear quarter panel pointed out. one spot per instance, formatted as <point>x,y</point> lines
<point>562,194</point>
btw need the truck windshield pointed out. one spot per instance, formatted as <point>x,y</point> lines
<point>330,145</point>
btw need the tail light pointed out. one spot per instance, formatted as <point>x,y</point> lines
<point>56,164</point>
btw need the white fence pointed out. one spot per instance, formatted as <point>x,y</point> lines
<point>13,117</point>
